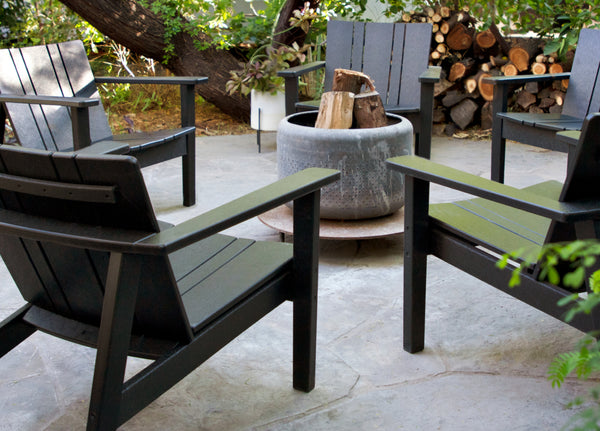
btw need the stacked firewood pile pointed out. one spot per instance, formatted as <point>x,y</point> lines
<point>467,55</point>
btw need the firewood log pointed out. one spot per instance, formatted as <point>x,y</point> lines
<point>485,39</point>
<point>463,113</point>
<point>522,53</point>
<point>350,80</point>
<point>525,99</point>
<point>460,37</point>
<point>538,68</point>
<point>460,69</point>
<point>369,111</point>
<point>335,111</point>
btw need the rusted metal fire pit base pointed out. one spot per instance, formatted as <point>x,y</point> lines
<point>281,220</point>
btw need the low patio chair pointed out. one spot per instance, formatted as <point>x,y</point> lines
<point>95,267</point>
<point>471,234</point>
<point>49,94</point>
<point>394,56</point>
<point>582,98</point>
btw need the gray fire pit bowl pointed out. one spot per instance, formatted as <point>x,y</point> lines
<point>367,187</point>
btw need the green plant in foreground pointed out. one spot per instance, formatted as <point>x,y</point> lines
<point>575,259</point>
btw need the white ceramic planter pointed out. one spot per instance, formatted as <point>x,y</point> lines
<point>272,109</point>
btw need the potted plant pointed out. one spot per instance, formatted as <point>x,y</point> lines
<point>258,77</point>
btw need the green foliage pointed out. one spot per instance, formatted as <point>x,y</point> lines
<point>43,21</point>
<point>260,73</point>
<point>573,261</point>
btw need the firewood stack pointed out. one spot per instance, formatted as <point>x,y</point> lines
<point>467,55</point>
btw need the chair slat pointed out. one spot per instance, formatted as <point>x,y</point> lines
<point>376,62</point>
<point>339,50</point>
<point>584,76</point>
<point>260,261</point>
<point>415,63</point>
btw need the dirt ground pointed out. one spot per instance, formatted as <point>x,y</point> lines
<point>210,121</point>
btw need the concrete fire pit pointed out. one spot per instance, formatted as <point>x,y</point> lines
<point>367,188</point>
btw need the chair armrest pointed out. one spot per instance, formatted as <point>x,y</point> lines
<point>455,179</point>
<point>180,80</point>
<point>72,102</point>
<point>255,203</point>
<point>524,79</point>
<point>296,71</point>
<point>431,75</point>
<point>139,242</point>
<point>105,147</point>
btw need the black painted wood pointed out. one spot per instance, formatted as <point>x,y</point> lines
<point>102,273</point>
<point>582,98</point>
<point>395,56</point>
<point>470,234</point>
<point>49,94</point>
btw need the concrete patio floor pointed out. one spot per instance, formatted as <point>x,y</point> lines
<point>484,366</point>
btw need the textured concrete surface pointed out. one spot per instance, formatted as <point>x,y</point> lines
<point>484,366</point>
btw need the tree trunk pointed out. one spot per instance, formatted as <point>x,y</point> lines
<point>287,37</point>
<point>127,22</point>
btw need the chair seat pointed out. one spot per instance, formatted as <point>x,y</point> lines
<point>556,122</point>
<point>141,141</point>
<point>221,270</point>
<point>495,226</point>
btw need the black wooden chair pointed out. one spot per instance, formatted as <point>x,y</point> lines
<point>395,56</point>
<point>80,239</point>
<point>582,98</point>
<point>49,94</point>
<point>470,234</point>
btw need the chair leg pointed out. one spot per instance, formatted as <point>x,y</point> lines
<point>113,341</point>
<point>306,261</point>
<point>499,104</point>
<point>188,163</point>
<point>498,153</point>
<point>415,262</point>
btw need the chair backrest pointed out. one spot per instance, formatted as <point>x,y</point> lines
<point>393,55</point>
<point>583,94</point>
<point>60,69</point>
<point>580,184</point>
<point>105,195</point>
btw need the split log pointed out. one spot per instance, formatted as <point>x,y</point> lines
<point>460,37</point>
<point>369,111</point>
<point>546,102</point>
<point>351,81</point>
<point>461,69</point>
<point>533,87</point>
<point>525,99</point>
<point>487,116</point>
<point>335,111</point>
<point>534,109</point>
<point>463,113</point>
<point>555,109</point>
<point>453,97</point>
